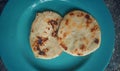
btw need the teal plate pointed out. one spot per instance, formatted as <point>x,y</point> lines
<point>15,25</point>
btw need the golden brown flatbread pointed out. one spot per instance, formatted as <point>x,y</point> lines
<point>43,36</point>
<point>79,33</point>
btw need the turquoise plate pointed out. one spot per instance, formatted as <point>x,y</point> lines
<point>15,25</point>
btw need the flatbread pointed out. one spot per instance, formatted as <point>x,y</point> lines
<point>79,33</point>
<point>43,36</point>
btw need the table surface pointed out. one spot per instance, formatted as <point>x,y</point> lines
<point>114,7</point>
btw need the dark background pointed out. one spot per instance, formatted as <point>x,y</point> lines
<point>114,7</point>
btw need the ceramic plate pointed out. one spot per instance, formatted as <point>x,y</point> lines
<point>15,25</point>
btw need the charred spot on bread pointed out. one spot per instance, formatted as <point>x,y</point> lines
<point>94,28</point>
<point>46,50</point>
<point>71,14</point>
<point>41,40</point>
<point>37,47</point>
<point>66,21</point>
<point>54,33</point>
<point>83,47</point>
<point>87,16</point>
<point>96,40</point>
<point>59,38</point>
<point>89,20</point>
<point>53,23</point>
<point>42,53</point>
<point>48,28</point>
<point>63,46</point>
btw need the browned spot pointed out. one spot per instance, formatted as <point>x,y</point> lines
<point>94,28</point>
<point>80,14</point>
<point>87,16</point>
<point>46,50</point>
<point>79,54</point>
<point>83,47</point>
<point>41,40</point>
<point>96,40</point>
<point>54,33</point>
<point>89,20</point>
<point>57,19</point>
<point>67,22</point>
<point>87,24</point>
<point>48,28</point>
<point>63,46</point>
<point>35,44</point>
<point>71,14</point>
<point>53,23</point>
<point>59,38</point>
<point>64,35</point>
<point>42,53</point>
<point>35,48</point>
<point>76,50</point>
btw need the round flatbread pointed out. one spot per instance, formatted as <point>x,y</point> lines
<point>79,33</point>
<point>43,36</point>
